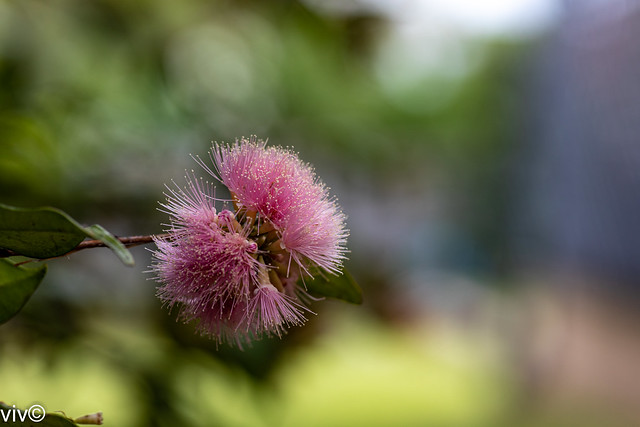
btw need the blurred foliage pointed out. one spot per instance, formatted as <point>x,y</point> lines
<point>365,374</point>
<point>106,90</point>
<point>102,101</point>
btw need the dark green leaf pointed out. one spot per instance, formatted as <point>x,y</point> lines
<point>98,232</point>
<point>33,417</point>
<point>342,287</point>
<point>38,233</point>
<point>17,284</point>
<point>48,233</point>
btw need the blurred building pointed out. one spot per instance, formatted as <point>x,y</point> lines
<point>579,226</point>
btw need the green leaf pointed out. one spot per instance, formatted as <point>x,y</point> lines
<point>38,233</point>
<point>342,287</point>
<point>33,417</point>
<point>99,233</point>
<point>49,232</point>
<point>17,284</point>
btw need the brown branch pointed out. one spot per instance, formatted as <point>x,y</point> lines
<point>129,242</point>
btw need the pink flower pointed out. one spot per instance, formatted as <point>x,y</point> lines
<point>287,195</point>
<point>205,261</point>
<point>270,311</point>
<point>232,272</point>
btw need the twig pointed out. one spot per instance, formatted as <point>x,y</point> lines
<point>129,242</point>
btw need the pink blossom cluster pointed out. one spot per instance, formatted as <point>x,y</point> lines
<point>237,273</point>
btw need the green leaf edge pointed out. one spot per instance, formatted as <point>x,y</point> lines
<point>98,232</point>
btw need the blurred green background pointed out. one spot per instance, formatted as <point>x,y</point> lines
<point>411,118</point>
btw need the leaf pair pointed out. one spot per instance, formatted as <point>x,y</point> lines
<point>41,233</point>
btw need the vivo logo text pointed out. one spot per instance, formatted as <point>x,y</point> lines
<point>35,414</point>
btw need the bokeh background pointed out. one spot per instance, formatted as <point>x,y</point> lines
<point>486,154</point>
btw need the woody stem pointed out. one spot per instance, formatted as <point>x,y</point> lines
<point>129,242</point>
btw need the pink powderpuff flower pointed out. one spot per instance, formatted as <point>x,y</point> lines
<point>270,311</point>
<point>288,196</point>
<point>231,272</point>
<point>209,268</point>
<point>205,260</point>
<point>222,322</point>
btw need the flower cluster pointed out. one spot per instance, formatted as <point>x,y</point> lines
<point>237,272</point>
